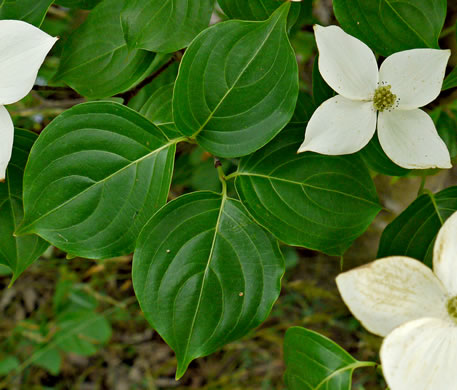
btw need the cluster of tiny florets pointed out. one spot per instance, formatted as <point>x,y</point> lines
<point>452,308</point>
<point>383,98</point>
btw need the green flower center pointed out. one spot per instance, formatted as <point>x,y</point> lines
<point>452,308</point>
<point>383,98</point>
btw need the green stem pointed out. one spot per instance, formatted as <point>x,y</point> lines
<point>421,187</point>
<point>435,206</point>
<point>222,177</point>
<point>232,175</point>
<point>350,367</point>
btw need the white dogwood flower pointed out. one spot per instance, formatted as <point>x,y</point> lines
<point>415,309</point>
<point>23,49</point>
<point>391,97</point>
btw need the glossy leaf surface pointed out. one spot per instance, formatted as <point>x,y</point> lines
<point>154,101</point>
<point>237,85</point>
<point>414,231</point>
<point>377,160</point>
<point>451,80</point>
<point>17,253</point>
<point>30,11</point>
<point>83,4</point>
<point>388,26</point>
<point>314,362</point>
<point>307,199</point>
<point>164,25</point>
<point>257,9</point>
<point>95,176</point>
<point>321,90</point>
<point>96,61</point>
<point>249,10</point>
<point>304,109</point>
<point>205,274</point>
<point>446,124</point>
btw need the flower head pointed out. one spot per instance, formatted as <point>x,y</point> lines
<point>390,97</point>
<point>415,309</point>
<point>23,49</point>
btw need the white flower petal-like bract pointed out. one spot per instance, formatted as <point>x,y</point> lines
<point>23,49</point>
<point>415,309</point>
<point>6,140</point>
<point>373,294</point>
<point>445,255</point>
<point>406,81</point>
<point>410,139</point>
<point>346,64</point>
<point>421,355</point>
<point>416,76</point>
<point>346,126</point>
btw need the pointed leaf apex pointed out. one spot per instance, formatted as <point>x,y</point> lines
<point>281,12</point>
<point>14,278</point>
<point>182,368</point>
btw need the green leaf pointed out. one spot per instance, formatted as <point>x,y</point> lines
<point>305,17</point>
<point>291,257</point>
<point>69,296</point>
<point>310,200</point>
<point>158,108</point>
<point>414,231</point>
<point>154,101</point>
<point>82,332</point>
<point>446,124</point>
<point>304,109</point>
<point>305,47</point>
<point>166,76</point>
<point>17,253</point>
<point>99,68</point>
<point>237,85</point>
<point>257,9</point>
<point>205,274</point>
<point>451,80</point>
<point>321,90</point>
<point>8,364</point>
<point>376,159</point>
<point>170,130</point>
<point>95,176</point>
<point>50,360</point>
<point>314,362</point>
<point>4,270</point>
<point>30,11</point>
<point>83,4</point>
<point>388,26</point>
<point>249,10</point>
<point>164,25</point>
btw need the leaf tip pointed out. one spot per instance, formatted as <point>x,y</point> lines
<point>14,278</point>
<point>281,12</point>
<point>181,369</point>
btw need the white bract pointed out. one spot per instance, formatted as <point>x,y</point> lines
<point>415,309</point>
<point>23,49</point>
<point>391,97</point>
